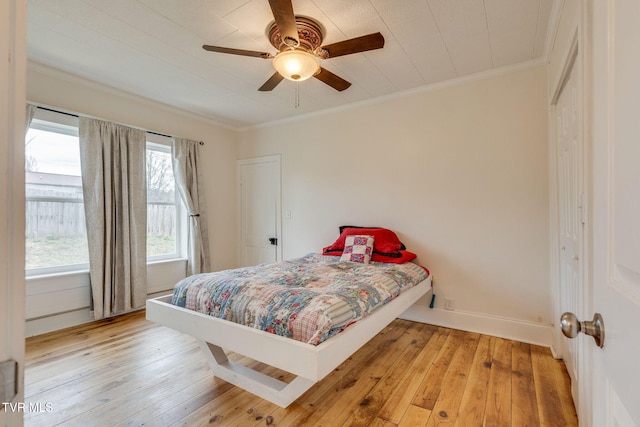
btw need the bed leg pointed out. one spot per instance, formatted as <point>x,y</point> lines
<point>264,386</point>
<point>216,352</point>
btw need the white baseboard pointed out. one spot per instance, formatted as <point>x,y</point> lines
<point>55,322</point>
<point>531,333</point>
<point>42,325</point>
<point>159,293</point>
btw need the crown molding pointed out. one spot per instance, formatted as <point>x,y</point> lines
<point>93,85</point>
<point>483,75</point>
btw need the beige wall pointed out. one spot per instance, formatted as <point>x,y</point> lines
<point>64,91</point>
<point>460,173</point>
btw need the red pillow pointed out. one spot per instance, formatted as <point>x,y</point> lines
<point>342,227</point>
<point>385,241</point>
<point>406,256</point>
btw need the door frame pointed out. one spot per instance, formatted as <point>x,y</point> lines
<point>577,55</point>
<point>12,243</point>
<point>275,158</point>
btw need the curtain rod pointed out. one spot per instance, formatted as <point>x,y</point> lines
<point>159,134</point>
<point>56,111</point>
<point>76,115</point>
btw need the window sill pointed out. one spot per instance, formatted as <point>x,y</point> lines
<point>81,271</point>
<point>56,275</point>
<point>165,261</point>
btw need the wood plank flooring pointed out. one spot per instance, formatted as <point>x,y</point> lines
<point>127,371</point>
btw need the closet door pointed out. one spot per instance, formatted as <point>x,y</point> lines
<point>569,161</point>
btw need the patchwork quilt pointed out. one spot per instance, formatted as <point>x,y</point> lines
<point>309,299</point>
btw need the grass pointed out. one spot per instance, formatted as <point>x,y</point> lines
<point>58,251</point>
<point>157,245</point>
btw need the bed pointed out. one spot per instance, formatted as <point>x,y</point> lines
<point>304,316</point>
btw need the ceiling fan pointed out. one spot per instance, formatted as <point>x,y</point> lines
<point>298,40</point>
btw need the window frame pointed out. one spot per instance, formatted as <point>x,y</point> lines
<point>162,144</point>
<point>65,124</point>
<point>68,124</point>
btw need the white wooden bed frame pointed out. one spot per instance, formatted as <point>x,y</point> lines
<point>310,363</point>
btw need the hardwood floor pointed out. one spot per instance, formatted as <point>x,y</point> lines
<point>127,371</point>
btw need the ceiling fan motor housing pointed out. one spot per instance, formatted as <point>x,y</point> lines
<point>297,60</point>
<point>310,35</point>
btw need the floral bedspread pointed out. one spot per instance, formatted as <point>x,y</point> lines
<point>308,299</point>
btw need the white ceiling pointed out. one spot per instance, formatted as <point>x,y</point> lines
<point>153,48</point>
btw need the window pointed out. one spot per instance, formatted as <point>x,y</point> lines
<point>55,232</point>
<point>163,205</point>
<point>56,237</point>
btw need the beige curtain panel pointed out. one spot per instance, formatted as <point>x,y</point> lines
<point>115,200</point>
<point>186,169</point>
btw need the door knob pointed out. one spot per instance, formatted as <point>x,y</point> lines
<point>571,327</point>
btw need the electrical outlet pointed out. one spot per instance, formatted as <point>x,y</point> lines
<point>448,304</point>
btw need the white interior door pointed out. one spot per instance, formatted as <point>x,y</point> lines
<point>569,161</point>
<point>259,182</point>
<point>616,237</point>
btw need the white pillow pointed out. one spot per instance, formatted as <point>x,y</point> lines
<point>357,248</point>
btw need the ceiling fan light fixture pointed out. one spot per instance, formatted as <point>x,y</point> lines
<point>296,65</point>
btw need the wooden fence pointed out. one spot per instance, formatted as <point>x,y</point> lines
<point>55,219</point>
<point>161,220</point>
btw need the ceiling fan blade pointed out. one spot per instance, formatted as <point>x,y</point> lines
<point>338,83</point>
<point>273,81</point>
<point>264,55</point>
<point>355,45</point>
<point>286,21</point>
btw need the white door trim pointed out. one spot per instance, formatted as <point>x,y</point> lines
<point>576,56</point>
<point>276,158</point>
<point>13,15</point>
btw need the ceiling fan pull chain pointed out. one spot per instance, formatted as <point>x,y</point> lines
<point>296,103</point>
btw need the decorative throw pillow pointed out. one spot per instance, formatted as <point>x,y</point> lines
<point>387,242</point>
<point>358,248</point>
